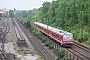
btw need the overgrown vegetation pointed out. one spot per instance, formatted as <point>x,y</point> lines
<point>70,15</point>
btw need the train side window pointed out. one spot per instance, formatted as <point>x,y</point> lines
<point>52,33</point>
<point>56,35</point>
<point>60,37</point>
<point>47,30</point>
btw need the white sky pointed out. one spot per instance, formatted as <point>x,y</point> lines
<point>21,4</point>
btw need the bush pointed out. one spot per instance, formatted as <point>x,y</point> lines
<point>51,46</point>
<point>47,43</point>
<point>43,40</point>
<point>85,35</point>
<point>40,37</point>
<point>88,42</point>
<point>75,33</point>
<point>55,50</point>
<point>65,58</point>
<point>62,54</point>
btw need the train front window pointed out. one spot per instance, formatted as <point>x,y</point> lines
<point>68,37</point>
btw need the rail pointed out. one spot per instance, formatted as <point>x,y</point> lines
<point>38,46</point>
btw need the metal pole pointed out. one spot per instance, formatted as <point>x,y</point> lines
<point>82,26</point>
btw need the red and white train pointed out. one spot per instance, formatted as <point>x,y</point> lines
<point>63,37</point>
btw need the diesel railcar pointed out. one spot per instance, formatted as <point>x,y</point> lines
<point>63,37</point>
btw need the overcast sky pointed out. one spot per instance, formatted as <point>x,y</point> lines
<point>21,4</point>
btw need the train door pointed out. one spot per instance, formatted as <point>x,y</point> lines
<point>61,37</point>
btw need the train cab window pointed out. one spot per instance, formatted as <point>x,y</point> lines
<point>68,37</point>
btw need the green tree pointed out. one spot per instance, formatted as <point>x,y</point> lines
<point>24,13</point>
<point>11,13</point>
<point>63,14</point>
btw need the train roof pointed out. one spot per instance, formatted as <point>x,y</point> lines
<point>53,29</point>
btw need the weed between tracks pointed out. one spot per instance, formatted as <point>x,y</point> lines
<point>21,53</point>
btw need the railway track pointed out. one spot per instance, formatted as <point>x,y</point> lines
<point>42,50</point>
<point>21,39</point>
<point>6,30</point>
<point>82,51</point>
<point>37,44</point>
<point>78,51</point>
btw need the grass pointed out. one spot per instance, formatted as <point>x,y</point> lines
<point>39,58</point>
<point>9,37</point>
